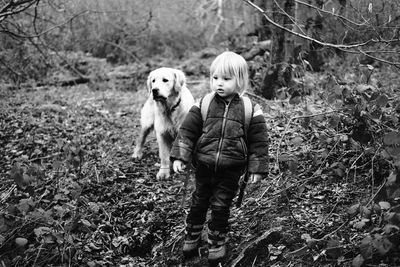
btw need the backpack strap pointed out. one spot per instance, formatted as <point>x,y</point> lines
<point>248,113</point>
<point>204,104</point>
<point>248,109</point>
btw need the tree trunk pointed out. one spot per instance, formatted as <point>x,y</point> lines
<point>282,50</point>
<point>312,23</point>
<point>280,73</point>
<point>261,29</point>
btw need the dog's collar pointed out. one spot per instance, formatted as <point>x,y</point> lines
<point>176,105</point>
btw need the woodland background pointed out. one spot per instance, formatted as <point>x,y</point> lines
<point>72,83</point>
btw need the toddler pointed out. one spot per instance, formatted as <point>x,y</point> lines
<point>221,151</point>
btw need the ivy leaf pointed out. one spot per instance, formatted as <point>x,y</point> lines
<point>24,205</point>
<point>392,138</point>
<point>382,244</point>
<point>297,141</point>
<point>334,121</point>
<point>333,249</point>
<point>366,247</point>
<point>295,100</point>
<point>392,143</point>
<point>360,224</point>
<point>339,172</point>
<point>40,231</point>
<point>338,90</point>
<point>358,261</point>
<point>293,164</point>
<point>389,228</point>
<point>395,194</point>
<point>353,210</point>
<point>382,100</point>
<point>17,174</point>
<point>391,180</point>
<point>361,133</point>
<point>384,205</point>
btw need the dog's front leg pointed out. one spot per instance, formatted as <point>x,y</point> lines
<point>138,151</point>
<point>164,144</point>
<point>147,124</point>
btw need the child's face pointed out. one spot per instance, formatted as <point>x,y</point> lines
<point>224,85</point>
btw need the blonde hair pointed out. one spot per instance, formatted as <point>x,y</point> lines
<point>232,65</point>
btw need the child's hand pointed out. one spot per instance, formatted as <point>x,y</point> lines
<point>255,178</point>
<point>178,166</point>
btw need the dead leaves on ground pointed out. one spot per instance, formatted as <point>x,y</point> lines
<point>71,193</point>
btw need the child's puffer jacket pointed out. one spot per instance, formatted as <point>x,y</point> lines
<point>220,141</point>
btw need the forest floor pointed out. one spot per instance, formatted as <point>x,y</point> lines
<point>71,195</point>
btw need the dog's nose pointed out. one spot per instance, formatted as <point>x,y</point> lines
<point>155,91</point>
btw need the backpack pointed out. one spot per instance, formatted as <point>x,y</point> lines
<point>248,110</point>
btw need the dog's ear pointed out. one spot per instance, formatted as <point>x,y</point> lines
<point>149,78</point>
<point>180,80</point>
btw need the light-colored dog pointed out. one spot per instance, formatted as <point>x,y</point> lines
<point>164,111</point>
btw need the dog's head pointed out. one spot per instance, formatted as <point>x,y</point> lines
<point>165,83</point>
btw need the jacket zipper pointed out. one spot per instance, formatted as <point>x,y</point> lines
<point>222,135</point>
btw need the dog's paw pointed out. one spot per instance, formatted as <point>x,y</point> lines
<point>163,174</point>
<point>137,154</point>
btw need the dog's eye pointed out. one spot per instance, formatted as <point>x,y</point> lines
<point>153,81</point>
<point>165,80</point>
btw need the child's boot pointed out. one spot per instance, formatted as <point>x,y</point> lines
<point>216,247</point>
<point>192,240</point>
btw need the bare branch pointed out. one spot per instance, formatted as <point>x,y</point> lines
<point>49,29</point>
<point>320,10</point>
<point>15,7</point>
<point>290,17</point>
<point>348,48</point>
<point>338,46</point>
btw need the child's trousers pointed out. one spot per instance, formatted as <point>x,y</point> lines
<point>214,190</point>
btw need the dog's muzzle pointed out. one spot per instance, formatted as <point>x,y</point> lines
<point>156,94</point>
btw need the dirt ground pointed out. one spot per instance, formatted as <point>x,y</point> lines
<point>93,205</point>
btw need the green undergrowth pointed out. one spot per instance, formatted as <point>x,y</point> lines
<point>71,195</point>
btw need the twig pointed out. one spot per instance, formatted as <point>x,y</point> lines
<point>254,261</point>
<point>269,236</point>
<point>313,176</point>
<point>195,82</point>
<point>334,231</point>
<point>320,239</point>
<point>330,213</point>
<point>46,157</point>
<point>4,13</point>
<point>297,250</point>
<point>372,170</point>
<point>353,166</point>
<point>52,28</point>
<point>255,96</point>
<point>185,183</point>
<point>330,13</point>
<point>220,17</point>
<point>279,145</point>
<point>262,195</point>
<point>6,195</point>
<point>287,126</point>
<point>377,192</point>
<point>37,256</point>
<point>97,174</point>
<point>172,240</point>
<point>291,212</point>
<point>122,49</point>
